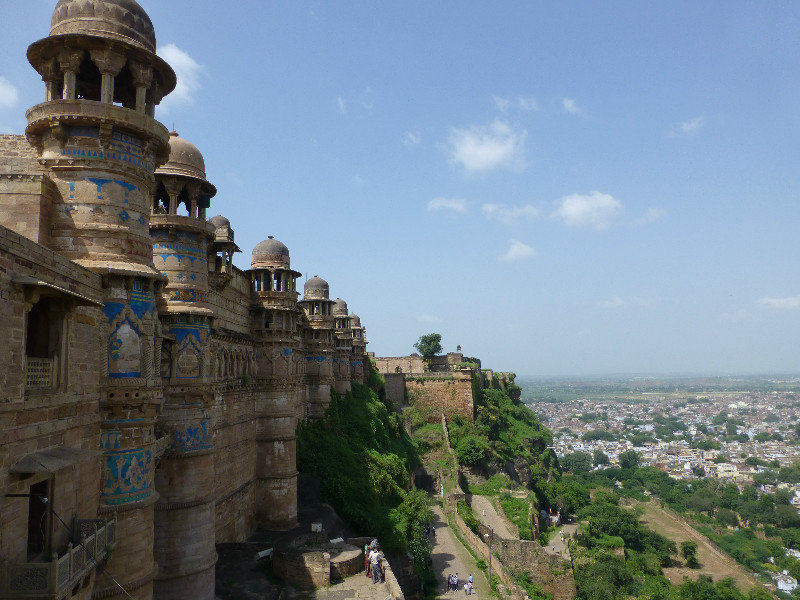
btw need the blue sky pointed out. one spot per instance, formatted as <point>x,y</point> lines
<point>561,188</point>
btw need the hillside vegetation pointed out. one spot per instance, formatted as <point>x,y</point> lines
<point>362,457</point>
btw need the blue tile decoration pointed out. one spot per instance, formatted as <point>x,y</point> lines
<point>112,309</point>
<point>127,476</point>
<point>141,302</point>
<point>193,437</point>
<point>124,216</point>
<point>109,439</point>
<point>90,132</point>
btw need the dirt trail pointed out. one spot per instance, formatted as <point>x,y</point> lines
<point>713,561</point>
<point>485,512</point>
<point>449,556</point>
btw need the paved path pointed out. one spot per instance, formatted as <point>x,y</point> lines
<point>357,587</point>
<point>450,556</point>
<point>560,545</point>
<point>486,513</point>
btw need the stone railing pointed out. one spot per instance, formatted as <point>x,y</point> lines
<point>53,580</point>
<point>40,373</point>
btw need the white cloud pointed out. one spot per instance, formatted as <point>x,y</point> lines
<point>510,214</point>
<point>457,205</point>
<point>428,319</point>
<point>689,127</point>
<point>188,71</point>
<point>8,93</point>
<point>341,105</point>
<point>484,148</point>
<point>520,102</point>
<point>617,302</point>
<point>651,216</point>
<point>571,106</point>
<point>693,125</point>
<point>410,139</point>
<point>595,210</point>
<point>788,303</point>
<point>518,251</point>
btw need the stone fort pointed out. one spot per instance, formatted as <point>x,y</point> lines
<point>149,389</point>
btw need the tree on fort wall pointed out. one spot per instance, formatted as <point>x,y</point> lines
<point>428,346</point>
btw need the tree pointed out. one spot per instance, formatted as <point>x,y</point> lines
<point>689,552</point>
<point>429,345</point>
<point>600,458</point>
<point>629,459</point>
<point>577,462</point>
<point>471,450</point>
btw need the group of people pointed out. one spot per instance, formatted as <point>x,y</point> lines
<point>452,584</point>
<point>373,563</point>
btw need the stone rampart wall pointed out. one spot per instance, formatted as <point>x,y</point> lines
<point>395,387</point>
<point>231,306</point>
<point>234,460</point>
<point>448,393</point>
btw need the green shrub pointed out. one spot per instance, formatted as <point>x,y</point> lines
<point>466,513</point>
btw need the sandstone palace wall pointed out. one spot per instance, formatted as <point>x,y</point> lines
<point>149,389</point>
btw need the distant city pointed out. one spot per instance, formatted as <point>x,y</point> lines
<point>730,428</point>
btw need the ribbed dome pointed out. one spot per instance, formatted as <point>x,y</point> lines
<point>116,19</point>
<point>355,320</point>
<point>316,288</point>
<point>340,308</point>
<point>270,253</point>
<point>184,159</point>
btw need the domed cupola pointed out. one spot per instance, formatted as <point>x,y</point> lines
<point>316,288</point>
<point>272,273</point>
<point>270,254</point>
<point>122,20</point>
<point>182,181</point>
<point>339,308</point>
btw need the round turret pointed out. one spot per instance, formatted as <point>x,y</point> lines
<point>121,20</point>
<point>339,308</point>
<point>316,288</point>
<point>355,320</point>
<point>272,253</point>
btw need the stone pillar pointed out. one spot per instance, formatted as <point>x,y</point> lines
<point>184,515</point>
<point>109,64</point>
<point>142,78</point>
<point>70,62</point>
<point>49,72</point>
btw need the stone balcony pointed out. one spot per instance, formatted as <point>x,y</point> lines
<point>55,580</point>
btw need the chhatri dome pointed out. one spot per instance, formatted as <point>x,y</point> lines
<point>185,160</point>
<point>270,253</point>
<point>122,20</point>
<point>355,320</point>
<point>219,221</point>
<point>340,308</point>
<point>316,288</point>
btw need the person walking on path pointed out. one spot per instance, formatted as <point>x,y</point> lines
<point>375,563</point>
